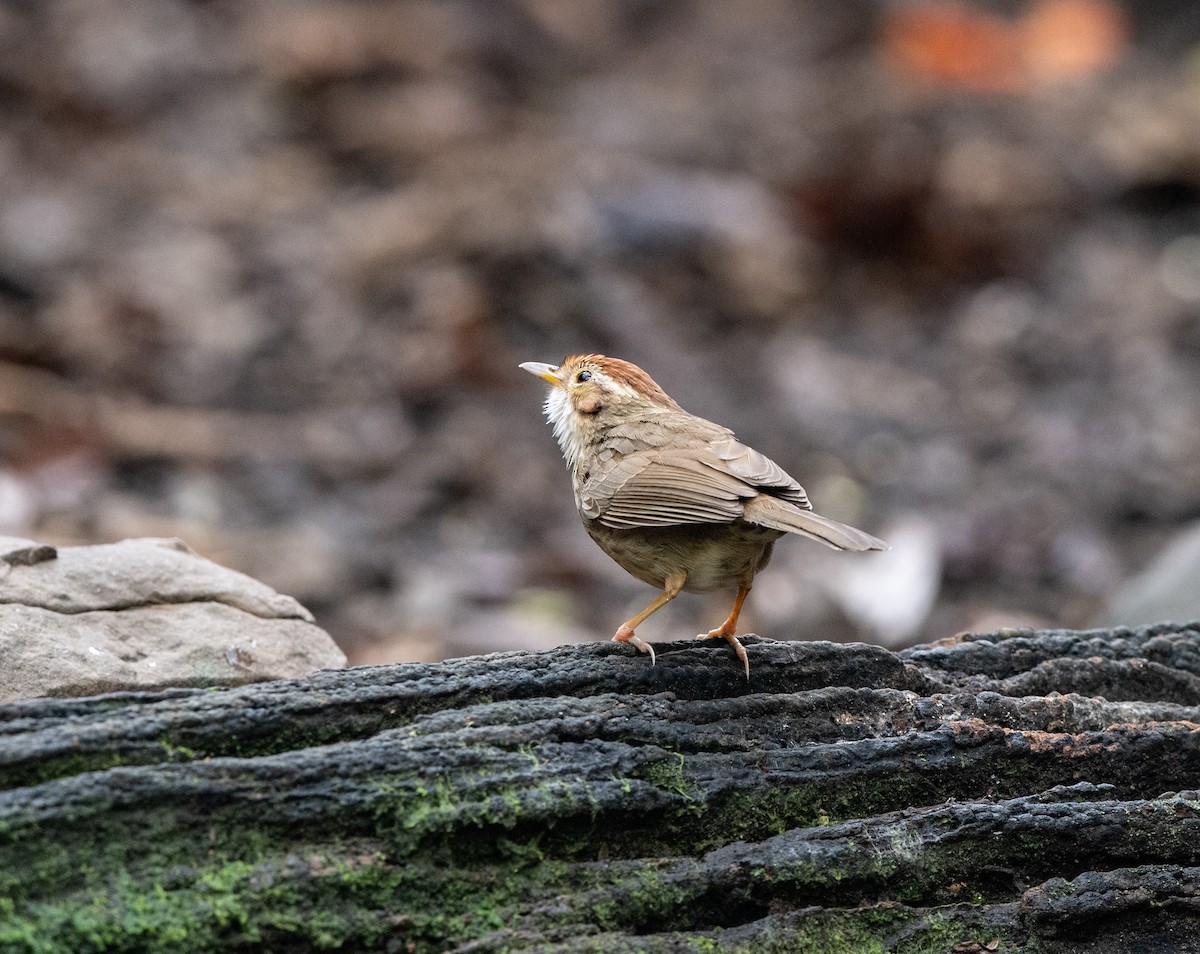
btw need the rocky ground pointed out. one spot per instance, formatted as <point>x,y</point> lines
<point>267,269</point>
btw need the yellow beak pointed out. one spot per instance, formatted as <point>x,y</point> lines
<point>547,372</point>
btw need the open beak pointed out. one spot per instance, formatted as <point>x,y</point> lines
<point>547,372</point>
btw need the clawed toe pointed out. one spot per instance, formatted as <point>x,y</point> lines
<point>627,635</point>
<point>722,633</point>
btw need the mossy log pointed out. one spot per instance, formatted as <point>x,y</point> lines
<point>1011,791</point>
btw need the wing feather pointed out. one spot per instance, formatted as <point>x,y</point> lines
<point>711,483</point>
<point>760,472</point>
<point>661,488</point>
<point>666,486</point>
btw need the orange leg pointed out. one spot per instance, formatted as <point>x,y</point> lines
<point>728,629</point>
<point>625,634</point>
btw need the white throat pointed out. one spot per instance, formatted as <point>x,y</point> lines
<point>558,412</point>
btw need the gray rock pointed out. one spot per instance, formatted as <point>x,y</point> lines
<point>143,614</point>
<point>117,576</point>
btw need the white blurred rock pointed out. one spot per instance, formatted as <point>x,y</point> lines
<point>1167,589</point>
<point>17,503</point>
<point>890,594</point>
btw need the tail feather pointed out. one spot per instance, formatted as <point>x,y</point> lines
<point>771,512</point>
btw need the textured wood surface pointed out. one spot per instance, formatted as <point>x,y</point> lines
<point>1013,791</point>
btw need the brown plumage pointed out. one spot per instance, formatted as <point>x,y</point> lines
<point>676,500</point>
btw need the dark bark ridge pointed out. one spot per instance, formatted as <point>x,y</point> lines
<point>1018,790</point>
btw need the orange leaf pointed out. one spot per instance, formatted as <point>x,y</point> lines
<point>955,45</point>
<point>1070,39</point>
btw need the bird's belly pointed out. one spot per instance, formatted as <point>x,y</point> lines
<point>713,556</point>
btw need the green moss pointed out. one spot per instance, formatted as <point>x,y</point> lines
<point>668,774</point>
<point>48,769</point>
<point>860,931</point>
<point>342,894</point>
<point>177,753</point>
<point>154,883</point>
<point>759,813</point>
<point>897,930</point>
<point>426,859</point>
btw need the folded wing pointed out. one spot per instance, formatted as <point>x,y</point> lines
<point>717,482</point>
<point>662,488</point>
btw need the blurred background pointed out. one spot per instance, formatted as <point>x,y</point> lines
<point>267,268</point>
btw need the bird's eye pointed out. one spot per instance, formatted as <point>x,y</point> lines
<point>583,376</point>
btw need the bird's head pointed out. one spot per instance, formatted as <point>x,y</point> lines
<point>589,392</point>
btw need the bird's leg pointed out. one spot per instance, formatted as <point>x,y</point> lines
<point>625,634</point>
<point>728,629</point>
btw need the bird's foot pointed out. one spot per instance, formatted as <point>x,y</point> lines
<point>727,634</point>
<point>625,634</point>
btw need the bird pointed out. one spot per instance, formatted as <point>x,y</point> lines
<point>676,500</point>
